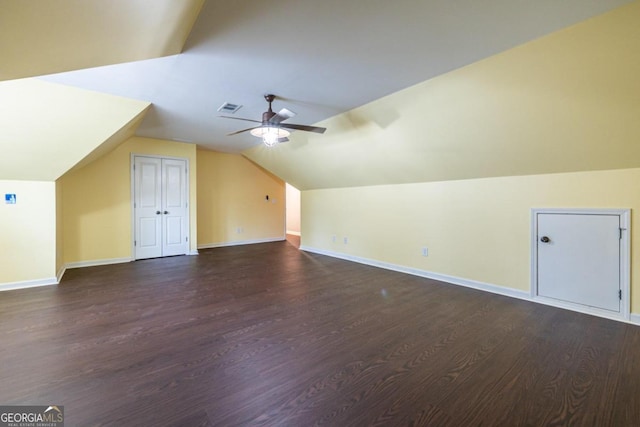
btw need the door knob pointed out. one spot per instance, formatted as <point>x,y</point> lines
<point>545,239</point>
<point>158,212</point>
<point>165,212</point>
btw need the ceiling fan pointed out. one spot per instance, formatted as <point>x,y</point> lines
<point>271,128</point>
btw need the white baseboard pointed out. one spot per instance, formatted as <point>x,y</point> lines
<point>293,233</point>
<point>61,272</point>
<point>96,262</point>
<point>240,242</point>
<point>620,317</point>
<point>509,292</point>
<point>28,284</point>
<point>93,263</point>
<point>467,283</point>
<point>487,287</point>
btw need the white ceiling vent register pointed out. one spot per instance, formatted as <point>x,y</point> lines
<point>228,107</point>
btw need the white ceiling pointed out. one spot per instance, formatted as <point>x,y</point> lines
<point>321,57</point>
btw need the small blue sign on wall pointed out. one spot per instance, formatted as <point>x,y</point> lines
<point>10,199</point>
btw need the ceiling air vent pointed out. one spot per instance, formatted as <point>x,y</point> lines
<point>230,108</point>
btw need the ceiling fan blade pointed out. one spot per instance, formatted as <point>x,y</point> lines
<point>303,127</point>
<point>281,116</point>
<point>240,118</point>
<point>285,139</point>
<point>243,130</point>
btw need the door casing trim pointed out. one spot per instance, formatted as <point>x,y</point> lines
<point>132,199</point>
<point>625,261</point>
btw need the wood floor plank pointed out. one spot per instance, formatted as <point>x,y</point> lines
<point>268,335</point>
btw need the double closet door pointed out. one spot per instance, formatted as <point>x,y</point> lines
<point>161,210</point>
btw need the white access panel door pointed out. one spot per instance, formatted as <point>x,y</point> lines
<point>174,210</point>
<point>579,259</point>
<point>160,207</point>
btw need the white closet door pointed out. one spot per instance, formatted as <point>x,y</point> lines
<point>174,213</point>
<point>160,207</point>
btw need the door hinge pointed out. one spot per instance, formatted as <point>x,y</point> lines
<point>186,239</point>
<point>621,230</point>
<point>135,243</point>
<point>620,294</point>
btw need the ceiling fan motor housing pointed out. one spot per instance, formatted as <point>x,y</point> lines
<point>267,115</point>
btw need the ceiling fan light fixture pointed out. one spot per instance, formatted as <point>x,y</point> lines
<point>270,134</point>
<point>271,129</point>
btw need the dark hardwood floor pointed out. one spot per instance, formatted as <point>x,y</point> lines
<point>268,335</point>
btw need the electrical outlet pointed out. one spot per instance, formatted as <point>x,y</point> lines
<point>425,251</point>
<point>345,240</point>
<point>333,238</point>
<point>239,230</point>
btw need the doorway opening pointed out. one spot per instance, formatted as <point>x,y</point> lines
<point>293,214</point>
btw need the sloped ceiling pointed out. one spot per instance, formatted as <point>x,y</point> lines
<point>42,140</point>
<point>323,59</point>
<point>44,37</point>
<point>566,102</point>
<point>47,128</point>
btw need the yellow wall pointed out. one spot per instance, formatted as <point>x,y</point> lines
<point>474,229</point>
<point>28,232</point>
<point>96,201</point>
<point>231,201</point>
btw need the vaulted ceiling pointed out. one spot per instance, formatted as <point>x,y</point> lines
<point>186,58</point>
<point>566,102</point>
